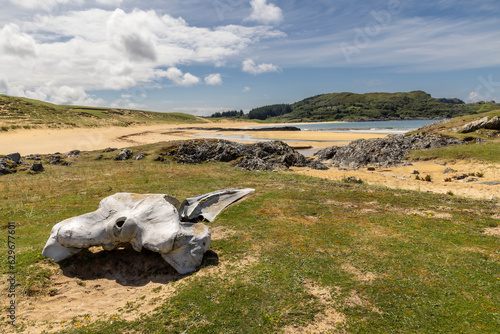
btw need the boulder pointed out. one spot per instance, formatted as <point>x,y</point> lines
<point>157,222</point>
<point>9,163</point>
<point>37,167</point>
<point>124,155</point>
<point>483,123</point>
<point>382,152</point>
<point>14,157</point>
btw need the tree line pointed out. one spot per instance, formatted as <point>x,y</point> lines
<point>230,113</point>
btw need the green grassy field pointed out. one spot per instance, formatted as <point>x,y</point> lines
<point>390,261</point>
<point>24,113</point>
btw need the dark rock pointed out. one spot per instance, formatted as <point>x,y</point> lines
<point>371,169</point>
<point>15,157</point>
<point>124,155</point>
<point>415,172</point>
<point>74,153</point>
<point>7,165</point>
<point>382,152</point>
<point>58,160</point>
<point>260,156</point>
<point>109,149</point>
<point>37,167</point>
<point>99,157</point>
<point>274,128</point>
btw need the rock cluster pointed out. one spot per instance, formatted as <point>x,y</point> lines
<point>260,156</point>
<point>12,163</point>
<point>483,123</point>
<point>382,152</point>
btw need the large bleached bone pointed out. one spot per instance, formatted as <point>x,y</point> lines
<point>157,222</point>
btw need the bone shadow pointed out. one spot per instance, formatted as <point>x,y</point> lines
<point>126,266</point>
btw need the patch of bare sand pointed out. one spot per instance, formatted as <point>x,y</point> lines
<point>495,231</point>
<point>330,321</point>
<point>403,178</point>
<point>363,276</point>
<point>121,284</point>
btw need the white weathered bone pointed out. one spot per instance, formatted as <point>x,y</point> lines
<point>157,222</point>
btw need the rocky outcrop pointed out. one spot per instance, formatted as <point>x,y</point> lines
<point>260,156</point>
<point>483,123</point>
<point>383,152</point>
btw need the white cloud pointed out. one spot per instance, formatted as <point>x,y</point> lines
<point>176,75</point>
<point>133,34</point>
<point>115,50</point>
<point>246,89</point>
<point>213,79</point>
<point>57,95</point>
<point>16,43</point>
<point>126,101</point>
<point>46,5</point>
<point>263,12</point>
<point>249,66</point>
<point>110,2</point>
<point>4,85</point>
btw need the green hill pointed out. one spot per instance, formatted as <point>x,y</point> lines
<point>370,106</point>
<point>18,112</point>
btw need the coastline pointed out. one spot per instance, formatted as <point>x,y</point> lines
<point>46,141</point>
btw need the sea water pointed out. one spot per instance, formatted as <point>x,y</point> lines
<point>388,127</point>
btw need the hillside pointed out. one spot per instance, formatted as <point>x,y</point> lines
<point>370,106</point>
<point>18,112</point>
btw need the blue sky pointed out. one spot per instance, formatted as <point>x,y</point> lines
<point>203,56</point>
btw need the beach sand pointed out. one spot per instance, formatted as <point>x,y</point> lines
<point>45,141</point>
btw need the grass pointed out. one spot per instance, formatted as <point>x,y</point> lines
<point>484,152</point>
<point>18,112</point>
<point>386,271</point>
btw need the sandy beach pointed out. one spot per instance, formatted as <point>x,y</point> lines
<point>46,141</point>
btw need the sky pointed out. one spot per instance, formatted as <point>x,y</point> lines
<point>204,56</point>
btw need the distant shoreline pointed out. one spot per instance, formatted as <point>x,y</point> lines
<point>46,141</point>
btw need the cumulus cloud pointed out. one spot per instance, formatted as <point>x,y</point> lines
<point>116,50</point>
<point>213,79</point>
<point>249,66</point>
<point>263,12</point>
<point>133,34</point>
<point>246,89</point>
<point>16,43</point>
<point>179,78</point>
<point>56,94</point>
